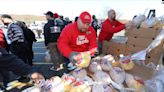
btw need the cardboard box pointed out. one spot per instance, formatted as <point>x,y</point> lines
<point>153,56</point>
<point>142,42</point>
<point>143,32</point>
<point>141,71</point>
<point>153,60</point>
<point>133,48</point>
<point>156,52</point>
<point>114,48</point>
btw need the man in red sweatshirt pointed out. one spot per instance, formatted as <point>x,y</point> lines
<point>109,27</point>
<point>77,37</point>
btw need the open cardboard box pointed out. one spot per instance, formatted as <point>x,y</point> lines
<point>142,71</point>
<point>143,32</point>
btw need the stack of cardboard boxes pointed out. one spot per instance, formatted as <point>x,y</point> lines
<point>138,39</point>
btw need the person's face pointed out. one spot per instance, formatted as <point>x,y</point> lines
<point>112,15</point>
<point>48,17</point>
<point>4,21</point>
<point>83,27</point>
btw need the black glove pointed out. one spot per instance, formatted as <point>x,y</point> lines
<point>72,57</point>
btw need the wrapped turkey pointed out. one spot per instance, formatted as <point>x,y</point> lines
<point>101,76</point>
<point>154,86</point>
<point>101,88</point>
<point>87,80</point>
<point>106,62</point>
<point>81,88</point>
<point>135,82</point>
<point>149,22</point>
<point>94,66</point>
<point>115,64</point>
<point>54,84</point>
<point>118,75</point>
<point>79,73</point>
<point>67,80</point>
<point>138,20</point>
<point>126,63</point>
<point>97,59</point>
<point>83,59</point>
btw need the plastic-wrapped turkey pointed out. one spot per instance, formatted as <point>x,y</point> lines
<point>101,88</point>
<point>117,74</point>
<point>81,88</point>
<point>79,73</point>
<point>126,63</point>
<point>83,59</point>
<point>94,66</point>
<point>54,84</point>
<point>67,80</point>
<point>135,83</point>
<point>101,76</point>
<point>106,62</point>
<point>154,85</point>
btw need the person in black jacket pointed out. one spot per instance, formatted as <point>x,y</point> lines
<point>52,30</point>
<point>30,38</point>
<point>10,62</point>
<point>95,23</point>
<point>16,40</point>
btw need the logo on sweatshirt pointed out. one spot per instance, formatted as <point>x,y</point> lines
<point>81,39</point>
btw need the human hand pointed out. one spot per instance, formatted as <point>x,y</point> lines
<point>73,57</point>
<point>129,25</point>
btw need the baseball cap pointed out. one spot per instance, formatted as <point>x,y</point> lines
<point>49,13</point>
<point>56,15</point>
<point>85,17</point>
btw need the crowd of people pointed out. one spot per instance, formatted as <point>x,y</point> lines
<point>64,39</point>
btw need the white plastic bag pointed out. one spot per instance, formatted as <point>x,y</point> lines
<point>149,22</point>
<point>139,19</point>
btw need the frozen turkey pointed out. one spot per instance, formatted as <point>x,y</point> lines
<point>135,83</point>
<point>101,88</point>
<point>94,66</point>
<point>118,75</point>
<point>79,73</point>
<point>106,62</point>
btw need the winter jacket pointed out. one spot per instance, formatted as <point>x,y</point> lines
<point>52,30</point>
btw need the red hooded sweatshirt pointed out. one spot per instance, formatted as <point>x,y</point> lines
<point>71,39</point>
<point>108,29</point>
<point>2,41</point>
